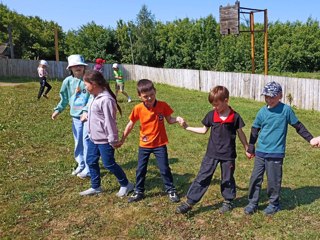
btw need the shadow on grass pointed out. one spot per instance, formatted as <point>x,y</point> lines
<point>289,199</point>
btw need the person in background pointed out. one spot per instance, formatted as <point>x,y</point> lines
<point>117,73</point>
<point>73,93</point>
<point>99,65</point>
<point>43,74</point>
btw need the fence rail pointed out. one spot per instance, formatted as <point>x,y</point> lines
<point>304,92</point>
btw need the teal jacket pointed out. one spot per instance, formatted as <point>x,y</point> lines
<point>74,93</point>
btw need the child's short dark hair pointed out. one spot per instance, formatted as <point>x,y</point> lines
<point>218,93</point>
<point>145,85</point>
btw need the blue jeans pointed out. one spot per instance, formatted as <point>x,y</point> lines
<point>161,155</point>
<point>107,155</point>
<point>80,135</point>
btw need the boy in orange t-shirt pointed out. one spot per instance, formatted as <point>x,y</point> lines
<point>153,138</point>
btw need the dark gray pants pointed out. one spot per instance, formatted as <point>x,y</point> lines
<point>201,183</point>
<point>273,168</point>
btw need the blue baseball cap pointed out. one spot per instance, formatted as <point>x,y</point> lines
<point>272,89</point>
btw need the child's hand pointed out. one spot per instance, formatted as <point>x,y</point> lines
<point>84,117</point>
<point>117,144</point>
<point>315,142</point>
<point>54,115</point>
<point>249,155</point>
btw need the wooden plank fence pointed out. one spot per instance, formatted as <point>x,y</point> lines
<point>304,92</point>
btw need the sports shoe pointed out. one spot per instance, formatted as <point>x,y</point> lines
<point>45,96</point>
<point>226,207</point>
<point>135,197</point>
<point>83,175</point>
<point>250,209</point>
<point>173,196</point>
<point>91,191</point>
<point>183,208</point>
<point>76,171</point>
<point>271,209</point>
<point>129,99</point>
<point>125,190</point>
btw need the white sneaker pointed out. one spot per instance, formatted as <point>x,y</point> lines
<point>125,190</point>
<point>91,191</point>
<point>76,171</point>
<point>83,175</point>
<point>129,99</point>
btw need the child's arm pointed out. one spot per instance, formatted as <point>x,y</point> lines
<point>243,138</point>
<point>303,132</point>
<point>127,130</point>
<point>252,141</point>
<point>172,120</point>
<point>200,130</point>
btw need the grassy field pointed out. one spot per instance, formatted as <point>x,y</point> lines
<point>39,198</point>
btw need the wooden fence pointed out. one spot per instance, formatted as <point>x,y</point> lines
<point>304,92</point>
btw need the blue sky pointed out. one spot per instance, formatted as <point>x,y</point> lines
<point>72,14</point>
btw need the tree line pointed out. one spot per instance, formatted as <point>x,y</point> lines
<point>183,43</point>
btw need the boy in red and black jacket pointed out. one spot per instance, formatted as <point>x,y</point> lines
<point>224,124</point>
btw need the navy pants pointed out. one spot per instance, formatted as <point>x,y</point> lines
<point>273,168</point>
<point>43,84</point>
<point>201,183</point>
<point>161,155</point>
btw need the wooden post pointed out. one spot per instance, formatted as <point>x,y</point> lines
<point>10,42</point>
<point>252,41</point>
<point>56,43</point>
<point>265,42</point>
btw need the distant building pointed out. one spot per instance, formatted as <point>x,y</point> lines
<point>4,50</point>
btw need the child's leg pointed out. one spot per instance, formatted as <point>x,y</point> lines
<point>274,178</point>
<point>42,85</point>
<point>107,156</point>
<point>85,140</point>
<point>77,130</point>
<point>48,88</point>
<point>143,158</point>
<point>163,165</point>
<point>256,180</point>
<point>228,183</point>
<point>201,183</point>
<point>93,156</point>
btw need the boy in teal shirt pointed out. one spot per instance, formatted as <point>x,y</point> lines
<point>269,129</point>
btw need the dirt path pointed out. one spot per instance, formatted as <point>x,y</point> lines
<point>4,84</point>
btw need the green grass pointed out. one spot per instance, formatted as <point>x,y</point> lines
<point>39,199</point>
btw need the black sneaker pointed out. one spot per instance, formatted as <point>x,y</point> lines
<point>135,197</point>
<point>183,208</point>
<point>226,207</point>
<point>173,196</point>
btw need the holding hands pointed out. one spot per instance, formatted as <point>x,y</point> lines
<point>315,142</point>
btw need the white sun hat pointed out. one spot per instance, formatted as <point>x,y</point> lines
<point>115,65</point>
<point>44,62</point>
<point>76,59</point>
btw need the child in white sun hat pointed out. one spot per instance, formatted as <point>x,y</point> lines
<point>74,93</point>
<point>43,74</point>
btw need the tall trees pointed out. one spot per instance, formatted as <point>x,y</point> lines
<point>183,43</point>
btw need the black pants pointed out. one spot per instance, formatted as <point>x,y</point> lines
<point>43,84</point>
<point>201,183</point>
